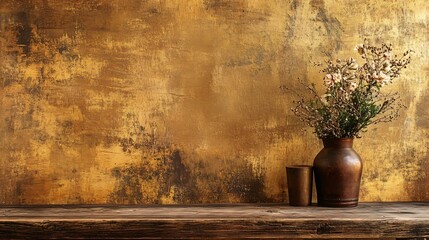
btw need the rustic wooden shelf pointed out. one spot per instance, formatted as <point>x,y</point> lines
<point>368,220</point>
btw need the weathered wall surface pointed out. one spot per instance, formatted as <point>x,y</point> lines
<point>154,101</point>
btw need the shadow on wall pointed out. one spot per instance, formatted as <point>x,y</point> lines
<point>161,177</point>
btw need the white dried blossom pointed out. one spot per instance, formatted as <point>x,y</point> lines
<point>337,77</point>
<point>353,86</point>
<point>328,80</point>
<point>385,79</point>
<point>354,66</point>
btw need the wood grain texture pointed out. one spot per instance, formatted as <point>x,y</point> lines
<point>368,220</point>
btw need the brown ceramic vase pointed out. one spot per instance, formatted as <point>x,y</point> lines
<point>337,172</point>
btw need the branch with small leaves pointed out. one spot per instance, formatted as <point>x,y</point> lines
<point>353,99</point>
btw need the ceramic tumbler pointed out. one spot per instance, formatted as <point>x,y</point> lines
<point>300,184</point>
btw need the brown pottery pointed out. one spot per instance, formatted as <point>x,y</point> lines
<point>337,172</point>
<point>300,183</point>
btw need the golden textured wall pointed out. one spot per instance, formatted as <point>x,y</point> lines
<point>178,101</point>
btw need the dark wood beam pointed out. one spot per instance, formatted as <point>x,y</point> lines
<point>368,220</point>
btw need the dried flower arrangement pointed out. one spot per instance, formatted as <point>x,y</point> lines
<point>352,100</point>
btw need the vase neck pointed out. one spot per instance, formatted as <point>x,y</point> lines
<point>338,143</point>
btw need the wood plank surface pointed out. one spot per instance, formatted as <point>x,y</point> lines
<point>368,220</point>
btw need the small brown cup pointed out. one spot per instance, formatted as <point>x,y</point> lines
<point>300,184</point>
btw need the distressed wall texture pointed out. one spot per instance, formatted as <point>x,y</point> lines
<point>178,101</point>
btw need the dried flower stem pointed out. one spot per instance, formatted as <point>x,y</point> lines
<point>352,99</point>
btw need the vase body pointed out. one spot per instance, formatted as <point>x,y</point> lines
<point>337,171</point>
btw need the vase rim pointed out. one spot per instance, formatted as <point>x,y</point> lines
<point>338,142</point>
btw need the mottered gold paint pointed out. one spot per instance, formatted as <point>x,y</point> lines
<point>179,101</point>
